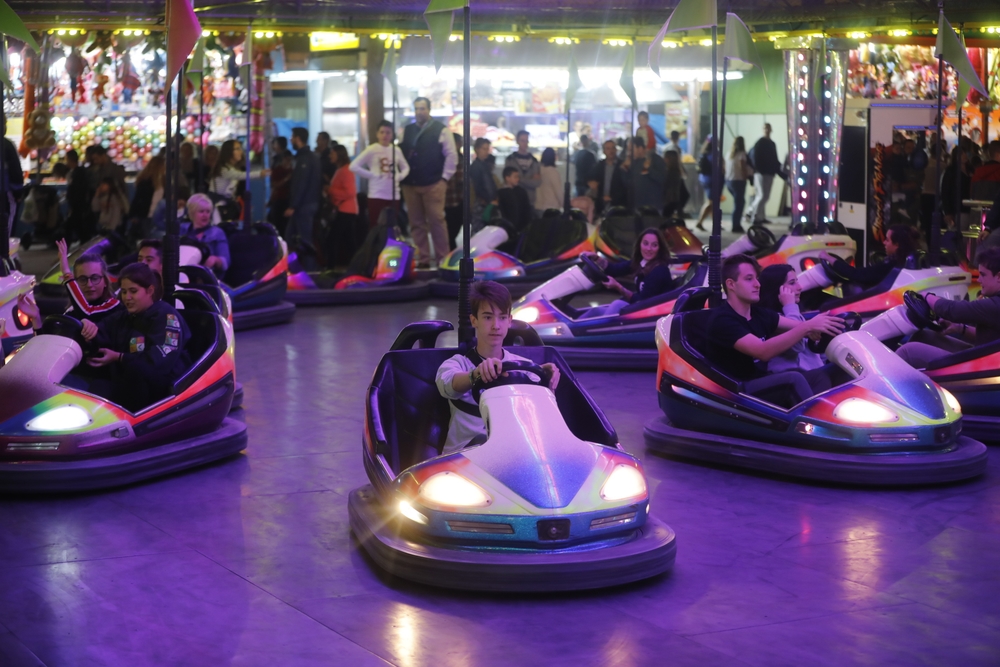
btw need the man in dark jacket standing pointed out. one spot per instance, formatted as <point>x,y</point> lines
<point>764,160</point>
<point>584,162</point>
<point>607,180</point>
<point>304,200</point>
<point>430,150</point>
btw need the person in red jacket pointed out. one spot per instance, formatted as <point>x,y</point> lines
<point>986,178</point>
<point>343,195</point>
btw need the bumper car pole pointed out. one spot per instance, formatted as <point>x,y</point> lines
<point>715,241</point>
<point>248,61</point>
<point>936,217</point>
<point>466,269</point>
<point>5,205</point>
<point>171,256</point>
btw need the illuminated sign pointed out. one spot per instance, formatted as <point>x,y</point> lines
<point>333,41</point>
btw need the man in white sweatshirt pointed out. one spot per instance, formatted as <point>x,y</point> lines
<point>375,164</point>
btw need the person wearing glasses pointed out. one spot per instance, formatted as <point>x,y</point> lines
<point>91,298</point>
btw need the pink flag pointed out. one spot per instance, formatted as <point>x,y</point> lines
<point>183,31</point>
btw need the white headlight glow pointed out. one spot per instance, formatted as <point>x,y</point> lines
<point>624,482</point>
<point>406,509</point>
<point>952,402</point>
<point>529,314</point>
<point>63,418</point>
<point>452,490</point>
<point>860,411</point>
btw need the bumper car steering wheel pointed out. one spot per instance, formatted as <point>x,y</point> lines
<point>919,312</point>
<point>67,327</point>
<point>832,273</point>
<point>513,372</point>
<point>761,237</point>
<point>592,270</point>
<point>852,322</point>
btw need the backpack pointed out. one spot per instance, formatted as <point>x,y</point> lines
<point>705,165</point>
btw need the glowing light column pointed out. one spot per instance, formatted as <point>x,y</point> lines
<point>815,77</point>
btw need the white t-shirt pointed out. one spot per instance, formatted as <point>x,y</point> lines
<point>375,164</point>
<point>463,427</point>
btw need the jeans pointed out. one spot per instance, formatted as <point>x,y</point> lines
<point>756,210</point>
<point>738,190</point>
<point>300,232</point>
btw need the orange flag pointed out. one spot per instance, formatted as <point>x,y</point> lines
<point>183,32</point>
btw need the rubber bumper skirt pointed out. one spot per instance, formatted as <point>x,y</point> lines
<point>237,396</point>
<point>110,471</point>
<point>609,358</point>
<point>359,295</point>
<point>982,428</point>
<point>652,552</point>
<point>279,313</point>
<point>449,289</point>
<point>968,459</point>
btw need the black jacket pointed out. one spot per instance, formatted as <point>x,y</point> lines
<point>655,282</point>
<point>152,344</point>
<point>619,186</point>
<point>305,181</point>
<point>764,157</point>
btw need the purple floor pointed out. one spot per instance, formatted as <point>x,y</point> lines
<point>250,561</point>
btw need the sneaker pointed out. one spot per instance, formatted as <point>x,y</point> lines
<point>738,230</point>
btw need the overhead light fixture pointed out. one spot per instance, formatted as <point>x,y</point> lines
<point>706,42</point>
<point>617,42</point>
<point>899,33</point>
<point>509,39</point>
<point>667,44</point>
<point>564,40</point>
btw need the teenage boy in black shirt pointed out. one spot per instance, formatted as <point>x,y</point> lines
<point>743,336</point>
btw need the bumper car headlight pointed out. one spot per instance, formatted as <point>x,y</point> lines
<point>950,399</point>
<point>63,418</point>
<point>452,490</point>
<point>860,411</point>
<point>529,314</point>
<point>624,482</point>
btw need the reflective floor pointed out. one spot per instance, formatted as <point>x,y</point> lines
<point>250,561</point>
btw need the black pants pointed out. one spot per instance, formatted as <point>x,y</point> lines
<point>453,218</point>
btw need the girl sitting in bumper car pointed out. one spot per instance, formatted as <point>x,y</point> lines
<point>649,269</point>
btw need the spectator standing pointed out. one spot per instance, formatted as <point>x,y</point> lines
<point>190,165</point>
<point>430,151</point>
<point>959,160</point>
<point>110,205</point>
<point>327,160</point>
<point>80,221</point>
<point>484,187</point>
<point>211,158</point>
<point>229,170</point>
<point>674,145</point>
<point>282,164</point>
<point>737,173</point>
<point>645,132</point>
<point>148,193</point>
<point>986,178</point>
<point>705,161</point>
<point>649,172</point>
<point>343,194</point>
<point>303,200</point>
<point>375,165</point>
<point>763,158</point>
<point>515,206</point>
<point>13,181</point>
<point>550,193</point>
<point>527,165</point>
<point>675,192</point>
<point>584,161</point>
<point>607,180</point>
<point>454,196</point>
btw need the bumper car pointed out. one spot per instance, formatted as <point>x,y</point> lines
<point>17,328</point>
<point>800,248</point>
<point>972,375</point>
<point>948,282</point>
<point>888,425</point>
<point>255,282</point>
<point>621,341</point>
<point>56,439</point>
<point>381,271</point>
<point>548,502</point>
<point>520,261</point>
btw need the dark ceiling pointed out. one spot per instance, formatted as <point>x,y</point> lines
<point>626,17</point>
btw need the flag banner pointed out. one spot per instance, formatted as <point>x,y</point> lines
<point>953,51</point>
<point>196,67</point>
<point>627,81</point>
<point>575,83</point>
<point>687,15</point>
<point>440,19</point>
<point>739,45</point>
<point>389,67</point>
<point>183,32</point>
<point>963,87</point>
<point>12,26</point>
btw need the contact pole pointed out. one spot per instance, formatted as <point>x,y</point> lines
<point>566,192</point>
<point>248,56</point>
<point>201,128</point>
<point>715,241</point>
<point>466,267</point>
<point>171,260</point>
<point>6,207</point>
<point>631,173</point>
<point>181,110</point>
<point>958,170</point>
<point>941,147</point>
